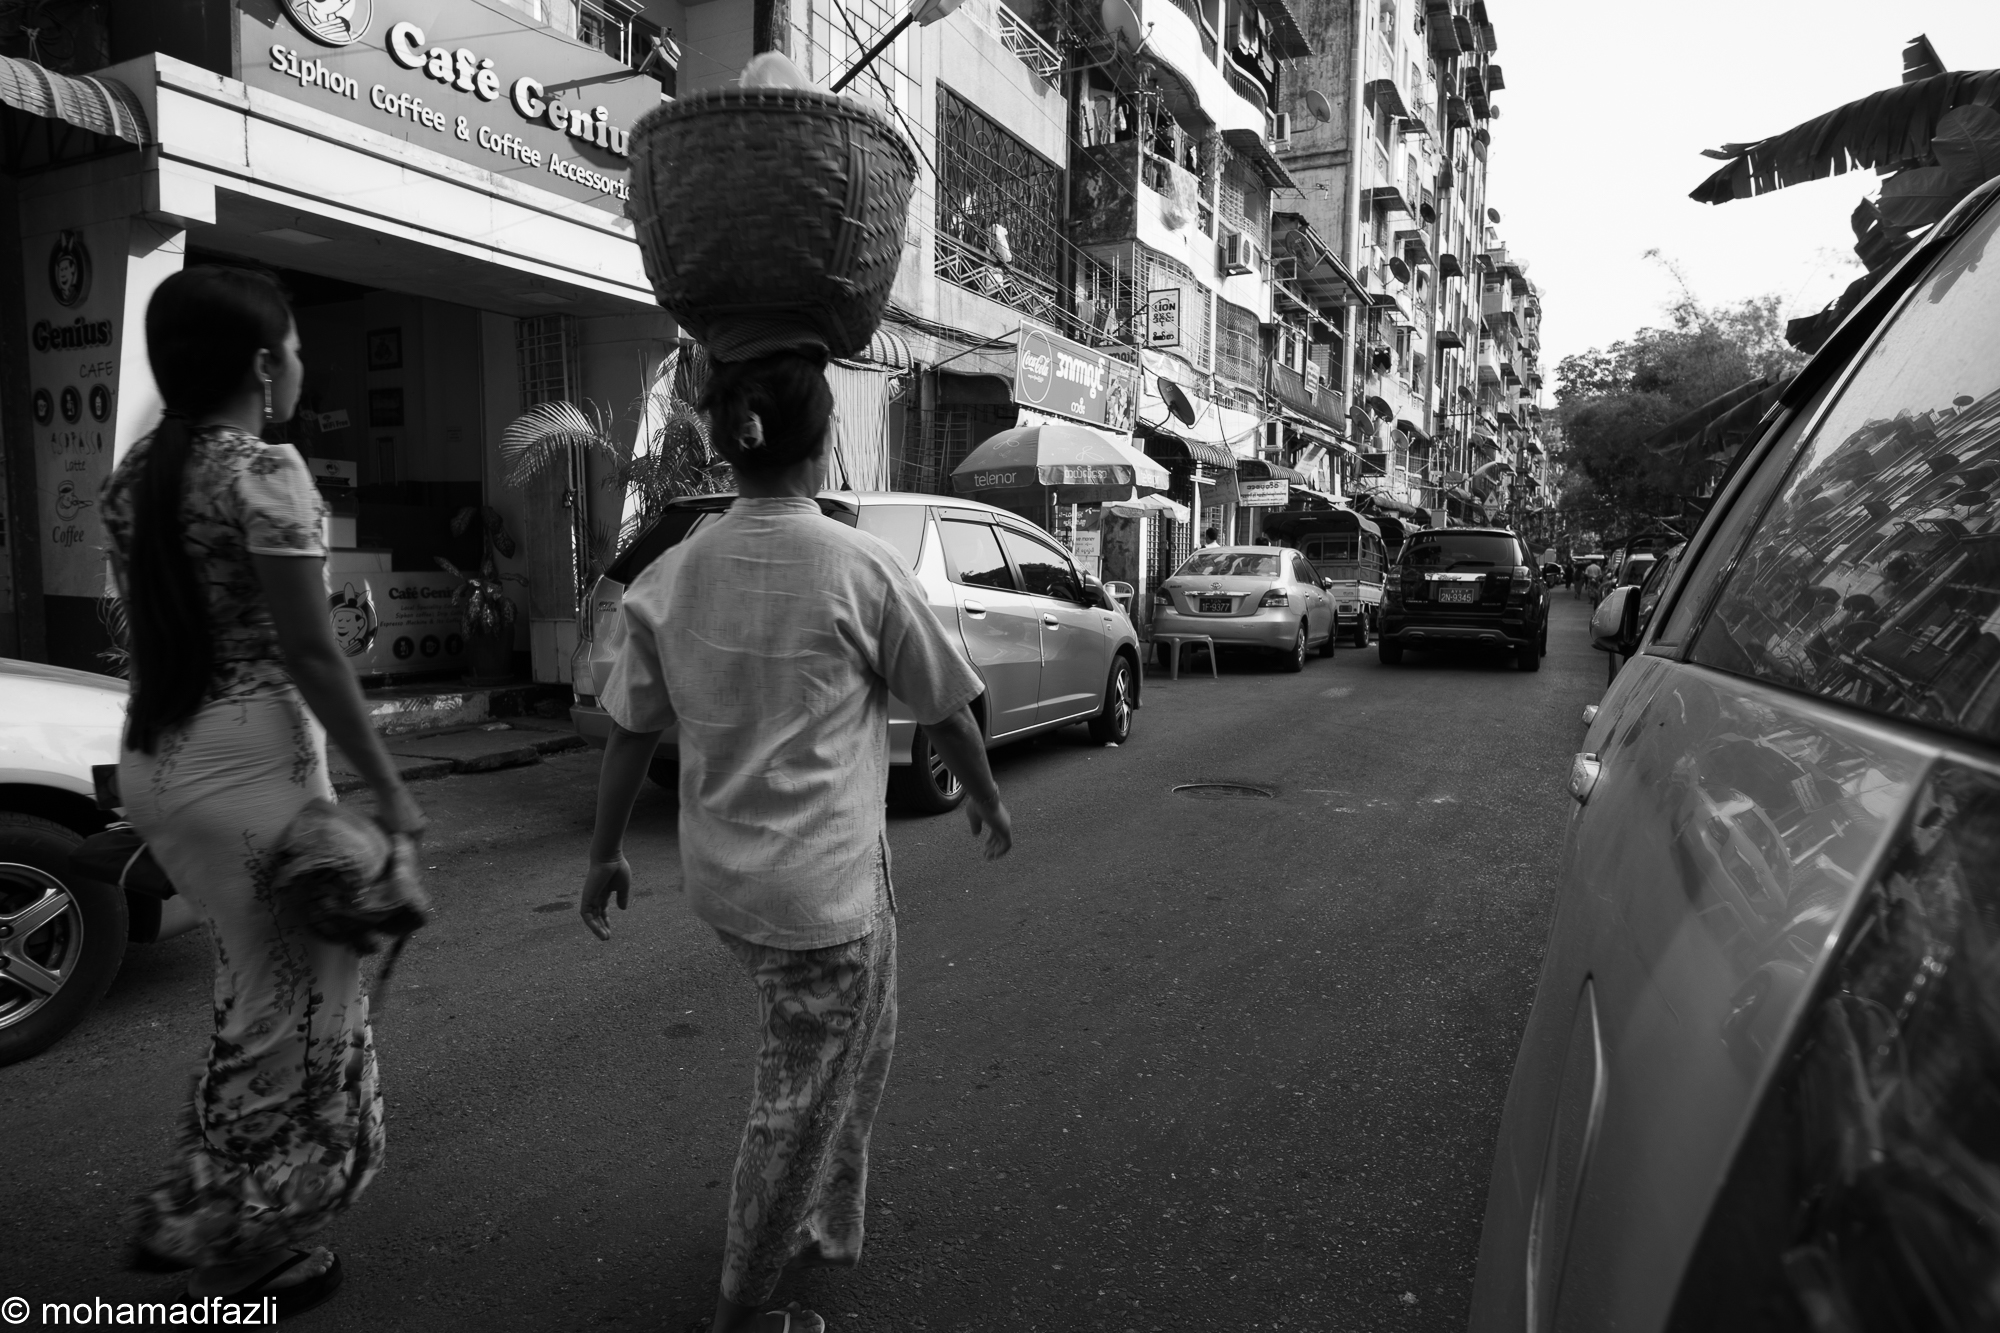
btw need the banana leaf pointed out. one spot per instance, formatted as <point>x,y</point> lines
<point>1884,129</point>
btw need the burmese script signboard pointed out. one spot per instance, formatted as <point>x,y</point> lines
<point>1067,379</point>
<point>470,79</point>
<point>397,624</point>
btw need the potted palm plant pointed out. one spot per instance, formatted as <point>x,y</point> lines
<point>486,612</point>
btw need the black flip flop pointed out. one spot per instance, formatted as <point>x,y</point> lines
<point>289,1301</point>
<point>707,1322</point>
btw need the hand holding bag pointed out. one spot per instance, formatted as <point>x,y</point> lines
<point>351,881</point>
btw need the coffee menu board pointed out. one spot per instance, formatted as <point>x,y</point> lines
<point>470,79</point>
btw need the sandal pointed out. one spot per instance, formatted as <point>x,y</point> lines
<point>792,1324</point>
<point>286,1301</point>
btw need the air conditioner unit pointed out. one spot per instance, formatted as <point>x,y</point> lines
<point>1236,253</point>
<point>1281,128</point>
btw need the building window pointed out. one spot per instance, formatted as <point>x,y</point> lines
<point>545,351</point>
<point>1238,350</point>
<point>606,25</point>
<point>997,200</point>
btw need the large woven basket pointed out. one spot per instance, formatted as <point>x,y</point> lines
<point>765,212</point>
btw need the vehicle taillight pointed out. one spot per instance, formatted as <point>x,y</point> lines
<point>1413,585</point>
<point>1869,1180</point>
<point>1517,587</point>
<point>1161,598</point>
<point>1392,595</point>
<point>1276,597</point>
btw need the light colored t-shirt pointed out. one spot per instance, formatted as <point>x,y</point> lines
<point>774,637</point>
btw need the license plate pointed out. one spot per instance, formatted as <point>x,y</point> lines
<point>1458,592</point>
<point>1215,604</point>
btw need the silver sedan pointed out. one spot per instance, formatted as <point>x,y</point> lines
<point>1249,597</point>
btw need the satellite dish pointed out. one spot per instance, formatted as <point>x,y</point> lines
<point>1400,269</point>
<point>1322,110</point>
<point>1121,19</point>
<point>1176,401</point>
<point>1492,215</point>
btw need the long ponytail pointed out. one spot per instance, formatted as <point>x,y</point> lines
<point>204,328</point>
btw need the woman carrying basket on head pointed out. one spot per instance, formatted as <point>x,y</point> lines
<point>773,639</point>
<point>217,551</point>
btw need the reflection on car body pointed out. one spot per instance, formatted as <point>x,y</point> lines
<point>1758,1084</point>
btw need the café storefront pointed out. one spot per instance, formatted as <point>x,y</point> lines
<point>440,188</point>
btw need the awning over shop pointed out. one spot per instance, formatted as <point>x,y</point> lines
<point>1411,429</point>
<point>1319,499</point>
<point>1262,469</point>
<point>887,350</point>
<point>54,118</point>
<point>1170,448</point>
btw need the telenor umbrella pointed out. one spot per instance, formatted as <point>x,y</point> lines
<point>1151,504</point>
<point>1081,465</point>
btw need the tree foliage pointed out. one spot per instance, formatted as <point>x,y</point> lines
<point>1613,400</point>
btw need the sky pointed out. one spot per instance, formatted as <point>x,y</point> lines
<point>1606,111</point>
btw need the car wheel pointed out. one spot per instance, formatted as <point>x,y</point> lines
<point>1113,726</point>
<point>1362,638</point>
<point>1390,653</point>
<point>1528,657</point>
<point>1295,660</point>
<point>61,938</point>
<point>665,767</point>
<point>925,785</point>
<point>1332,643</point>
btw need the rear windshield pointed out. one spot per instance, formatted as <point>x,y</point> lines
<point>902,526</point>
<point>1467,550</point>
<point>1239,564</point>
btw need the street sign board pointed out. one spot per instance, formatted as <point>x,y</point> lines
<point>1163,318</point>
<point>1067,379</point>
<point>1274,494</point>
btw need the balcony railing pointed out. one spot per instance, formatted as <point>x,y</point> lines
<point>1027,44</point>
<point>961,264</point>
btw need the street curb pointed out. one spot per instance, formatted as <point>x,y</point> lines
<point>421,770</point>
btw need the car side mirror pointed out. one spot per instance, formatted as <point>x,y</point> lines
<point>1614,625</point>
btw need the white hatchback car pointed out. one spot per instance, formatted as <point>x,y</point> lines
<point>62,936</point>
<point>1053,645</point>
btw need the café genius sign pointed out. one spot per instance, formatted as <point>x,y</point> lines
<point>468,78</point>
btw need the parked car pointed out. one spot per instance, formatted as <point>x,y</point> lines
<point>62,935</point>
<point>1053,645</point>
<point>1466,587</point>
<point>1346,548</point>
<point>1263,597</point>
<point>1757,1088</point>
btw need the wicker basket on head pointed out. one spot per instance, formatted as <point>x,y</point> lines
<point>767,213</point>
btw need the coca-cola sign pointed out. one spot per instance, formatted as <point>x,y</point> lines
<point>1067,379</point>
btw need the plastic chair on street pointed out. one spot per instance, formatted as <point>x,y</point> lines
<point>1176,642</point>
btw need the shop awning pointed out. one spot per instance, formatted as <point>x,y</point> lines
<point>885,351</point>
<point>1262,469</point>
<point>105,111</point>
<point>1170,448</point>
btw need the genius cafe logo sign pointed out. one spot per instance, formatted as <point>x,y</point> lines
<point>334,22</point>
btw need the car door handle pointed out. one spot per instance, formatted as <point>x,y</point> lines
<point>1583,772</point>
<point>975,608</point>
<point>1052,622</point>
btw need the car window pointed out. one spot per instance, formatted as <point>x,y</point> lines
<point>1045,570</point>
<point>1238,564</point>
<point>902,526</point>
<point>1469,550</point>
<point>1301,572</point>
<point>1874,578</point>
<point>975,554</point>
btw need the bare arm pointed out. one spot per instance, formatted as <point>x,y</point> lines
<point>626,757</point>
<point>963,749</point>
<point>295,590</point>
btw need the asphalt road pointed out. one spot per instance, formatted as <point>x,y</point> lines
<point>1173,1064</point>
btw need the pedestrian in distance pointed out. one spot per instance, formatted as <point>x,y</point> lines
<point>1210,537</point>
<point>773,640</point>
<point>237,681</point>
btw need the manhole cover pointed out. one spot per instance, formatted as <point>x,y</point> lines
<point>1223,791</point>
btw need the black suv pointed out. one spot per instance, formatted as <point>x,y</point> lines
<point>1466,586</point>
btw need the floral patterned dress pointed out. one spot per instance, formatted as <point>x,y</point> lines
<point>285,1127</point>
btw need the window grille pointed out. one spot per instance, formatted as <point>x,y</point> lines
<point>605,27</point>
<point>832,28</point>
<point>935,442</point>
<point>1238,351</point>
<point>545,348</point>
<point>990,178</point>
